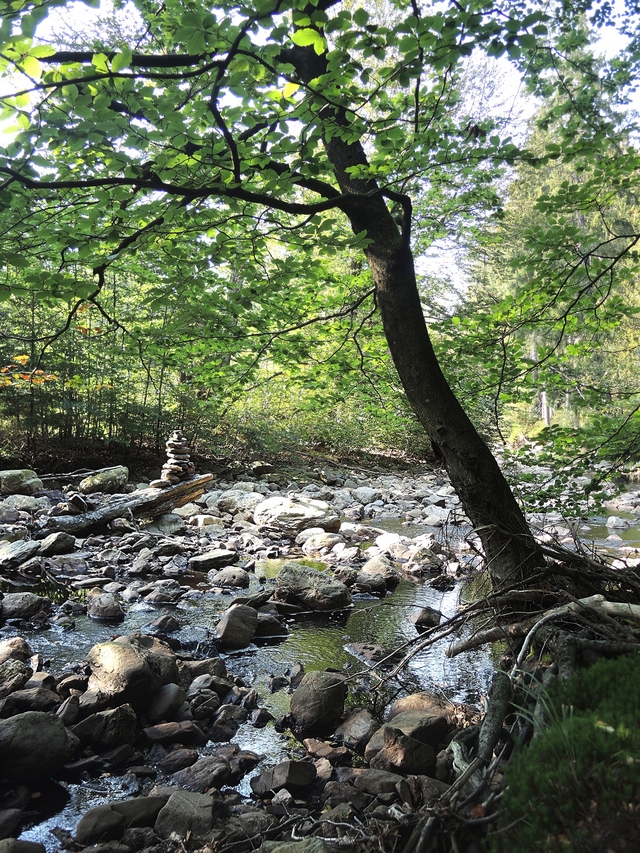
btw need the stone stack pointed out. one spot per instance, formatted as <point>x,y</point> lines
<point>178,466</point>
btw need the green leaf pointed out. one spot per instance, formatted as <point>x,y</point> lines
<point>361,17</point>
<point>121,60</point>
<point>306,37</point>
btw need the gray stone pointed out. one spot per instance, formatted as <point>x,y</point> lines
<point>30,699</point>
<point>236,578</point>
<point>358,729</point>
<point>313,589</point>
<point>166,703</point>
<point>296,515</point>
<point>214,559</point>
<point>110,480</point>
<point>168,524</point>
<point>105,607</point>
<point>321,541</point>
<point>131,669</point>
<point>307,845</point>
<point>296,776</point>
<point>211,771</point>
<point>236,500</point>
<point>426,617</point>
<point>366,495</point>
<point>33,745</point>
<point>57,543</point>
<point>23,605</point>
<point>187,814</point>
<point>21,481</point>
<point>381,565</point>
<point>403,754</point>
<point>14,674</point>
<point>317,704</point>
<point>237,626</point>
<point>16,648</point>
<point>12,554</point>
<point>108,729</point>
<point>425,728</point>
<point>101,823</point>
<point>18,845</point>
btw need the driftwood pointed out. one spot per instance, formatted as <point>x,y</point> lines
<point>146,502</point>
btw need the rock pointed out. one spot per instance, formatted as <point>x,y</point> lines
<point>380,565</point>
<point>425,618</point>
<point>317,704</point>
<point>186,813</point>
<point>9,820</point>
<point>108,729</point>
<point>307,845</point>
<point>176,760</point>
<point>236,628</point>
<point>57,543</point>
<point>101,823</point>
<point>295,515</point>
<point>366,495</point>
<point>403,754</point>
<point>16,648</point>
<point>424,702</point>
<point>17,845</point>
<point>618,523</point>
<point>425,728</point>
<point>12,554</point>
<point>377,782</point>
<point>185,732</point>
<point>311,588</point>
<point>235,501</point>
<point>269,627</point>
<point>20,481</point>
<point>105,607</point>
<point>14,674</point>
<point>166,703</point>
<point>358,729</point>
<point>131,669</point>
<point>296,776</point>
<point>335,755</point>
<point>320,541</point>
<point>33,745</point>
<point>236,578</point>
<point>168,524</point>
<point>31,699</point>
<point>215,559</point>
<point>23,605</point>
<point>110,481</point>
<point>211,771</point>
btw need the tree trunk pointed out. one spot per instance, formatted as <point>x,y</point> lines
<point>509,546</point>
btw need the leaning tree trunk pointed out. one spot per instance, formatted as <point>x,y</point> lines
<point>509,546</point>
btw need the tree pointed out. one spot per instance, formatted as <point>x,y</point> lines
<point>269,119</point>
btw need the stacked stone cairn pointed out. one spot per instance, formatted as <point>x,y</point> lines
<point>178,466</point>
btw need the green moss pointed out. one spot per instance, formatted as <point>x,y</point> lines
<point>578,786</point>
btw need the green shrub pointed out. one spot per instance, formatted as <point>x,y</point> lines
<point>577,788</point>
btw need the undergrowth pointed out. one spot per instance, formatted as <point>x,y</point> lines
<point>577,788</point>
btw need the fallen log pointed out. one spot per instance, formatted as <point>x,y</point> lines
<point>146,502</point>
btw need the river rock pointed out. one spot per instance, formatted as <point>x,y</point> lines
<point>237,626</point>
<point>236,578</point>
<point>168,524</point>
<point>210,771</point>
<point>236,500</point>
<point>425,728</point>
<point>186,813</point>
<point>108,729</point>
<point>131,669</point>
<point>296,776</point>
<point>321,541</point>
<point>30,699</point>
<point>16,648</point>
<point>14,674</point>
<point>366,495</point>
<point>313,589</point>
<point>269,627</point>
<point>105,607</point>
<point>33,745</point>
<point>424,702</point>
<point>101,823</point>
<point>307,845</point>
<point>19,845</point>
<point>425,618</point>
<point>403,754</point>
<point>184,732</point>
<point>110,480</point>
<point>377,782</point>
<point>380,565</point>
<point>214,559</point>
<point>23,605</point>
<point>57,543</point>
<point>317,704</point>
<point>166,703</point>
<point>292,516</point>
<point>21,481</point>
<point>13,554</point>
<point>358,729</point>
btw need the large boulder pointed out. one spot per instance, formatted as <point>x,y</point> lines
<point>237,500</point>
<point>313,589</point>
<point>33,745</point>
<point>292,516</point>
<point>110,480</point>
<point>12,554</point>
<point>317,704</point>
<point>186,813</point>
<point>426,728</point>
<point>21,481</point>
<point>131,669</point>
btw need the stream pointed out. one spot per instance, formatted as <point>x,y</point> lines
<point>316,640</point>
